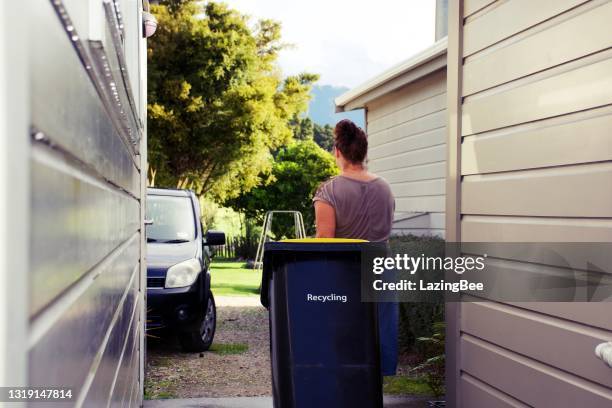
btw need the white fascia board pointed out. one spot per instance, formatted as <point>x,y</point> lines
<point>418,60</point>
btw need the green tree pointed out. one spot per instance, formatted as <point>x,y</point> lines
<point>303,129</point>
<point>217,103</point>
<point>306,129</point>
<point>297,172</point>
<point>324,136</point>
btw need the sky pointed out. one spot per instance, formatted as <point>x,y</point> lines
<point>346,42</point>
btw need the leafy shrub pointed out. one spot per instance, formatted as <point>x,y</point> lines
<point>417,319</point>
<point>435,362</point>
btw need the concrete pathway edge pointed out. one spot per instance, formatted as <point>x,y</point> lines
<point>266,402</point>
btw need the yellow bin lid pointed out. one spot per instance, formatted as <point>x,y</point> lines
<point>324,240</point>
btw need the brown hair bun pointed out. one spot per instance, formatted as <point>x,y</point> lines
<point>351,140</point>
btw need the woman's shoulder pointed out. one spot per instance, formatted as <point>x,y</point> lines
<point>383,184</point>
<point>330,182</point>
<point>325,189</point>
<point>380,179</point>
<point>325,192</point>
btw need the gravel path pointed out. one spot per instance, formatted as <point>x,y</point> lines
<point>174,374</point>
<point>238,301</point>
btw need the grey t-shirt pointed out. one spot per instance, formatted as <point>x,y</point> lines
<point>364,209</point>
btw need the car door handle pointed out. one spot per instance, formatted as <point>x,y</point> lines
<point>604,352</point>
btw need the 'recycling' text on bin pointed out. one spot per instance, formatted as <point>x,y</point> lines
<point>326,298</point>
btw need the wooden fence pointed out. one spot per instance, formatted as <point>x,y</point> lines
<point>236,248</point>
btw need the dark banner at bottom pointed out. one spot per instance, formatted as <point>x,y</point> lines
<point>476,271</point>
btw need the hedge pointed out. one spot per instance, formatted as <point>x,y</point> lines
<point>417,319</point>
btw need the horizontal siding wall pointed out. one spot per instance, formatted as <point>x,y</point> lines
<point>407,146</point>
<point>536,166</point>
<point>85,298</point>
<point>14,194</point>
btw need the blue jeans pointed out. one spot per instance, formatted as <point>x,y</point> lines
<point>388,322</point>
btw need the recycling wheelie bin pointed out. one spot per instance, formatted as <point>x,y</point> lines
<point>324,344</point>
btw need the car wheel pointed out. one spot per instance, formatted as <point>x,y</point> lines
<point>201,339</point>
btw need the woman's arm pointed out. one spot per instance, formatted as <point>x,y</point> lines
<point>325,216</point>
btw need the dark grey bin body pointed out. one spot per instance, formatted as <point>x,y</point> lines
<point>324,354</point>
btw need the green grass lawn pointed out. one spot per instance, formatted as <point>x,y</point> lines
<point>232,278</point>
<point>229,348</point>
<point>404,385</point>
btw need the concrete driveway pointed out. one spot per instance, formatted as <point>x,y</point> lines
<point>265,402</point>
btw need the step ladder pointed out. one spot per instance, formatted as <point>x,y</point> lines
<point>266,231</point>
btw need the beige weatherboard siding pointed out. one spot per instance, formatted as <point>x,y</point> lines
<point>530,85</point>
<point>406,125</point>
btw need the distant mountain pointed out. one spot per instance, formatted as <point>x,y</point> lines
<point>322,109</point>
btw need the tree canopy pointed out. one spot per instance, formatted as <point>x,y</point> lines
<point>297,172</point>
<point>218,105</point>
<point>306,129</point>
<point>324,136</point>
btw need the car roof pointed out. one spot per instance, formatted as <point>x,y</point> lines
<point>169,192</point>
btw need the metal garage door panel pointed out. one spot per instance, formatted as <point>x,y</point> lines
<point>133,373</point>
<point>67,344</point>
<point>568,346</point>
<point>128,372</point>
<point>529,381</point>
<point>136,395</point>
<point>571,139</point>
<point>76,121</point>
<point>555,192</point>
<point>99,393</point>
<point>76,222</point>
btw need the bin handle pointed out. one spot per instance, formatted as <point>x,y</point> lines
<point>604,352</point>
<point>264,289</point>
